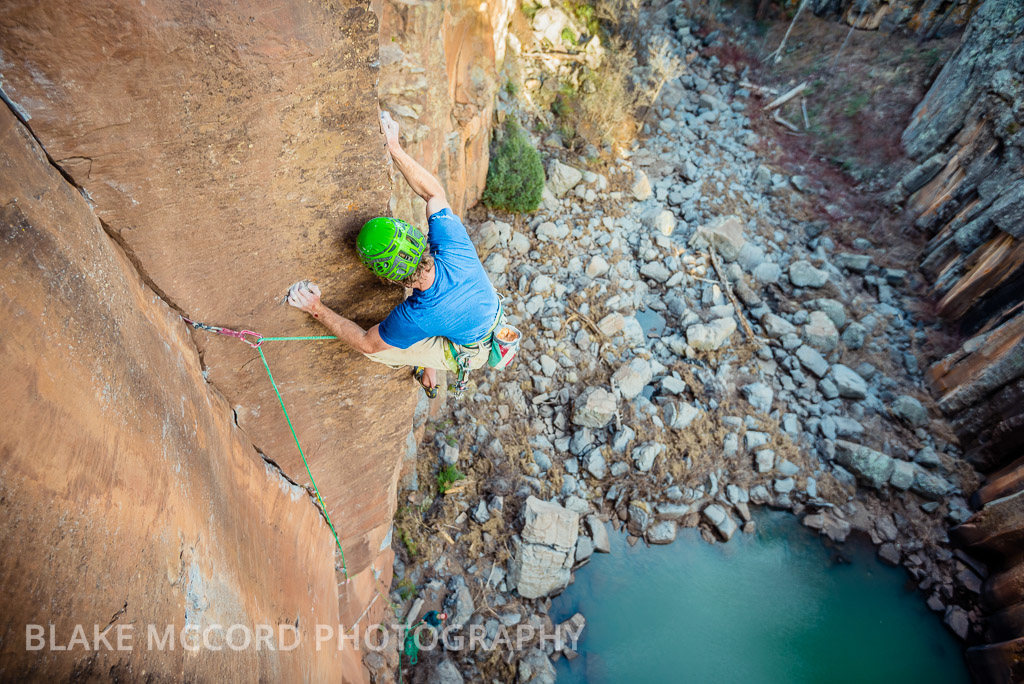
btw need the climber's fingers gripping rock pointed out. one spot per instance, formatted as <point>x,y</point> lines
<point>304,295</point>
<point>389,127</point>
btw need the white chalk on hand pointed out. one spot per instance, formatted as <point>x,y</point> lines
<point>294,290</point>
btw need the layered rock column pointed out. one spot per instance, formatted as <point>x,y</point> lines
<point>967,194</point>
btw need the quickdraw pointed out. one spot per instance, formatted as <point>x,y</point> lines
<point>461,384</point>
<point>243,335</point>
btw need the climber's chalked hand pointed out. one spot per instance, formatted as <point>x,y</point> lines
<point>304,295</point>
<point>389,127</point>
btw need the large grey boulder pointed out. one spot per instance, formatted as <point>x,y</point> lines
<point>641,188</point>
<point>829,524</point>
<point>776,326</point>
<point>446,672</point>
<point>661,220</point>
<point>858,263</point>
<point>639,517</point>
<point>562,178</point>
<point>929,485</point>
<point>492,233</point>
<point>720,520</point>
<point>594,408</point>
<point>854,335</point>
<point>662,532</point>
<point>812,360</point>
<point>597,267</point>
<point>536,668</point>
<point>710,336</point>
<point>644,455</point>
<point>804,274</point>
<point>633,377</point>
<point>820,332</point>
<point>760,396</point>
<point>542,563</point>
<point>656,271</point>
<point>910,411</point>
<point>599,532</point>
<point>678,416</point>
<point>459,603</point>
<point>902,474</point>
<point>871,467</point>
<point>547,523</point>
<point>725,234</point>
<point>851,385</point>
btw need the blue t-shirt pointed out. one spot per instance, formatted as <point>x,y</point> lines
<point>460,305</point>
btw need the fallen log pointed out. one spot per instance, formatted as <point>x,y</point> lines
<point>783,99</point>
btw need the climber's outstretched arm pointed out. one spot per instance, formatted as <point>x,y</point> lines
<point>420,180</point>
<point>307,298</point>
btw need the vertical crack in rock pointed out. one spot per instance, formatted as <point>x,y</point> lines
<point>122,245</point>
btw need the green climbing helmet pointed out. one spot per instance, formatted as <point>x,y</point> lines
<point>390,247</point>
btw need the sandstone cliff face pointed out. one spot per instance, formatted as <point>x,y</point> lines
<point>967,194</point>
<point>129,494</point>
<point>231,148</point>
<point>439,73</point>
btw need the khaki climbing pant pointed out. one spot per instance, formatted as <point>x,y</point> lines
<point>432,352</point>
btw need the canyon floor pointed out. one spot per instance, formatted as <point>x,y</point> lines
<point>716,318</point>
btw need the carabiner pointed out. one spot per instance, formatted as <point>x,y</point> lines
<point>258,339</point>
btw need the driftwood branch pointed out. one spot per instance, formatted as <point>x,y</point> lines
<point>783,99</point>
<point>787,124</point>
<point>777,55</point>
<point>747,330</point>
<point>763,90</point>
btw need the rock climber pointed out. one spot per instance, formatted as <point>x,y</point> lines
<point>453,307</point>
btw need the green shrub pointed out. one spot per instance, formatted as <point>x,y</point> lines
<point>515,179</point>
<point>447,476</point>
<point>406,588</point>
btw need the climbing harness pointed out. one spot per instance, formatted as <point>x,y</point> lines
<point>255,340</point>
<point>503,341</point>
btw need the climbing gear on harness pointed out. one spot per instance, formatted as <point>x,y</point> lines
<point>462,355</point>
<point>417,372</point>
<point>390,247</point>
<point>255,343</point>
<point>503,340</point>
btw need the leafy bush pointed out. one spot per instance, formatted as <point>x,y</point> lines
<point>447,476</point>
<point>515,179</point>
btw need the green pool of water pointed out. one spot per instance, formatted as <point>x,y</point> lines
<point>775,606</point>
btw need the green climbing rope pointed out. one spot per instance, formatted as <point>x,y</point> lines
<point>280,400</point>
<point>297,339</point>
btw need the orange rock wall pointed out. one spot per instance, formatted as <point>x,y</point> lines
<point>440,66</point>
<point>230,148</point>
<point>129,496</point>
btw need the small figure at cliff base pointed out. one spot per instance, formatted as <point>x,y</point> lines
<point>448,320</point>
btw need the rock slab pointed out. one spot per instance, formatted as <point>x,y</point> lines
<point>542,563</point>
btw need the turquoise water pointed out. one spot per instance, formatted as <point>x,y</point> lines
<point>769,607</point>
